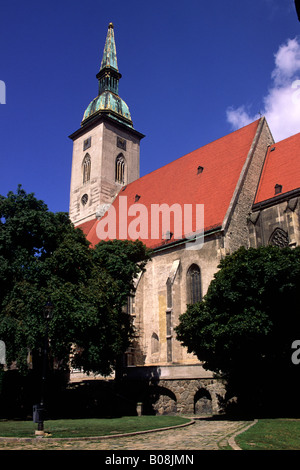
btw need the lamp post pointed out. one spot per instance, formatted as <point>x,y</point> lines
<point>39,410</point>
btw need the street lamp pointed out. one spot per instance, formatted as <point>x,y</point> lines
<point>39,410</point>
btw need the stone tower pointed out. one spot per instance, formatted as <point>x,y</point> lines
<point>106,147</point>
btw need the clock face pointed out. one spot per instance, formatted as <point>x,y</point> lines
<point>84,199</point>
<point>2,352</point>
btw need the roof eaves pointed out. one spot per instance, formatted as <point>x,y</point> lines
<point>173,243</point>
<point>275,200</point>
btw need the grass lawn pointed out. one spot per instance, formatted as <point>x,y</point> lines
<point>89,427</point>
<point>271,434</point>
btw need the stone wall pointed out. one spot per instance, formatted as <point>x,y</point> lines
<point>277,223</point>
<point>190,396</point>
<point>175,389</point>
<point>151,301</point>
<point>103,150</point>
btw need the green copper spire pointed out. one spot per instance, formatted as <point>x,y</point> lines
<point>109,75</point>
<point>109,54</point>
<point>108,100</point>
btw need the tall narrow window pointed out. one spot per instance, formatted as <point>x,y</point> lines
<point>169,334</point>
<point>120,169</point>
<point>86,168</point>
<point>169,294</point>
<point>169,320</point>
<point>193,284</point>
<point>130,307</point>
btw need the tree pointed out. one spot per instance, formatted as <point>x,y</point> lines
<point>244,328</point>
<point>116,264</point>
<point>43,257</point>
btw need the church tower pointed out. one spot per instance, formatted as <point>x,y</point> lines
<point>106,147</point>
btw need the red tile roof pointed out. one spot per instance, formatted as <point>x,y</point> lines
<point>180,183</point>
<point>86,226</point>
<point>282,167</point>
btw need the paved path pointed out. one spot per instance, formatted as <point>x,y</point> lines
<point>202,435</point>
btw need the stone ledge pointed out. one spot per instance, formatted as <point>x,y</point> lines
<point>168,372</point>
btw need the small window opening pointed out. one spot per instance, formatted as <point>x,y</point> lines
<point>278,188</point>
<point>87,143</point>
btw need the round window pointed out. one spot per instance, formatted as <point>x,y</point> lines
<point>84,199</point>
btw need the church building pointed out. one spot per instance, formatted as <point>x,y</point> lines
<point>240,190</point>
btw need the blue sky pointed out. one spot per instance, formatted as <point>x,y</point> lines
<point>192,71</point>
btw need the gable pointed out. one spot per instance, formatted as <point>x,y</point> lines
<point>282,167</point>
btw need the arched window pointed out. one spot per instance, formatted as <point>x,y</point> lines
<point>86,168</point>
<point>193,278</point>
<point>120,169</point>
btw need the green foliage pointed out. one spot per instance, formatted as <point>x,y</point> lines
<point>271,434</point>
<point>123,260</point>
<point>42,257</point>
<point>75,428</point>
<point>246,323</point>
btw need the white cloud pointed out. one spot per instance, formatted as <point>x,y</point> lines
<point>239,117</point>
<point>287,61</point>
<point>282,102</point>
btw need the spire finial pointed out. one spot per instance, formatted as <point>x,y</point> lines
<point>109,74</point>
<point>109,54</point>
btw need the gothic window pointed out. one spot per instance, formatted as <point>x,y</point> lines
<point>279,238</point>
<point>169,334</point>
<point>120,169</point>
<point>169,294</point>
<point>193,284</point>
<point>86,168</point>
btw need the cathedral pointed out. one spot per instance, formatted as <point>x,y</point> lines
<point>240,190</point>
